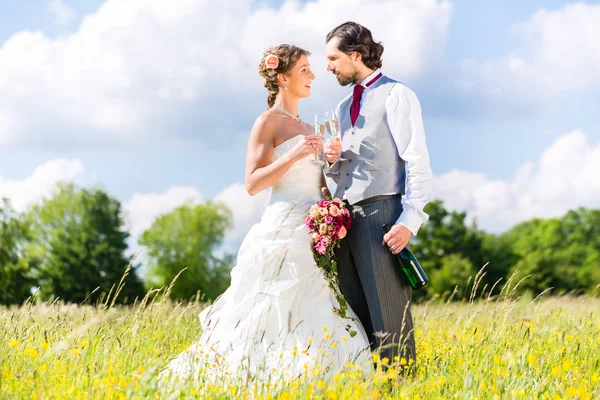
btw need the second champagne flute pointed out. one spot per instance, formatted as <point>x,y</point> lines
<point>319,128</point>
<point>333,128</point>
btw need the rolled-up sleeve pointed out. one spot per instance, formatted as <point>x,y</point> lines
<point>406,124</point>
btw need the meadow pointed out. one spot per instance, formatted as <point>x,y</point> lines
<point>485,347</point>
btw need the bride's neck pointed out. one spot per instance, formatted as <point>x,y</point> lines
<point>289,103</point>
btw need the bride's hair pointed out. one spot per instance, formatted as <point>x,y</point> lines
<point>287,56</point>
<point>355,37</point>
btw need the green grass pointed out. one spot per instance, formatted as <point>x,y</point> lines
<point>494,348</point>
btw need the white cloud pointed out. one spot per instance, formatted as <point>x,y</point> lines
<point>559,53</point>
<point>61,11</point>
<point>25,192</point>
<point>247,211</point>
<point>6,128</point>
<point>143,208</point>
<point>564,177</point>
<point>146,68</point>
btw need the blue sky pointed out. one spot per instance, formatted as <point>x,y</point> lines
<point>499,89</point>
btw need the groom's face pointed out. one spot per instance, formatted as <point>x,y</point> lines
<point>342,65</point>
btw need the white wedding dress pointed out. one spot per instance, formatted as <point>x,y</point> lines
<point>276,320</point>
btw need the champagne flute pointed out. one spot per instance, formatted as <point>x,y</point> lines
<point>319,128</point>
<point>332,127</point>
<point>331,124</point>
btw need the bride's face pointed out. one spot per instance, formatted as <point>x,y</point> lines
<point>300,78</point>
<point>341,64</point>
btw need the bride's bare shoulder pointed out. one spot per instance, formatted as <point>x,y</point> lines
<point>267,118</point>
<point>264,127</point>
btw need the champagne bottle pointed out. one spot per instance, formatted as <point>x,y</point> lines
<point>410,266</point>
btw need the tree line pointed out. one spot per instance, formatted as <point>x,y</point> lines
<point>72,246</point>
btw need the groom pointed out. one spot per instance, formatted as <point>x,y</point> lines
<point>381,168</point>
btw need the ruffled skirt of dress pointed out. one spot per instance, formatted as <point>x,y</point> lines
<point>275,322</point>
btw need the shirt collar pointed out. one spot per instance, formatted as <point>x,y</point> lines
<point>368,78</point>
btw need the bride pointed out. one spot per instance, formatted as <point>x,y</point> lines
<point>276,320</point>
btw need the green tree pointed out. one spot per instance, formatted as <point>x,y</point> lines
<point>80,244</point>
<point>16,277</point>
<point>187,238</point>
<point>562,253</point>
<point>447,234</point>
<point>455,271</point>
<point>444,234</point>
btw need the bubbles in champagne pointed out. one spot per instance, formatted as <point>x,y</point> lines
<point>331,127</point>
<point>319,129</point>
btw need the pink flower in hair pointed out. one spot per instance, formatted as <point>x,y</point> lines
<point>271,61</point>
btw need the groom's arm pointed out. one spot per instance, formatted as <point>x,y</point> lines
<point>406,124</point>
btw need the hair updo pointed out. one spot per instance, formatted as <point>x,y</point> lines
<point>287,56</point>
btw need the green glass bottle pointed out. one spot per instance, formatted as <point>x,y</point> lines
<point>410,266</point>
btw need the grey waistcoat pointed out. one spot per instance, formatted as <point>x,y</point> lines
<point>372,165</point>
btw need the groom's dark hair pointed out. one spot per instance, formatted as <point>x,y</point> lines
<point>355,37</point>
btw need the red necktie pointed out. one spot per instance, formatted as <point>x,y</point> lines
<point>356,95</point>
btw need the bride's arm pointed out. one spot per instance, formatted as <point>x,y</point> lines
<point>261,173</point>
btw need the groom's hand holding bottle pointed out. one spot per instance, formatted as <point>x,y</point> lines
<point>397,238</point>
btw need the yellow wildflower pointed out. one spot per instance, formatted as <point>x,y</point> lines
<point>30,351</point>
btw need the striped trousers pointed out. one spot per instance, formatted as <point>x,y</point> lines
<point>371,282</point>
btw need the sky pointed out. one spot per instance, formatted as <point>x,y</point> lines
<point>153,101</point>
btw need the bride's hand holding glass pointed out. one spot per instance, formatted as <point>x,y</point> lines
<point>310,144</point>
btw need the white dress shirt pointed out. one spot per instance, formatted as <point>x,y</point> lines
<point>406,124</point>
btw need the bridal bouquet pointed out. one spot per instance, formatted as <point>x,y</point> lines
<point>328,222</point>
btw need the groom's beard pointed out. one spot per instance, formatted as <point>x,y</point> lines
<point>346,80</point>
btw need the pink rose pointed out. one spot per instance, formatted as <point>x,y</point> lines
<point>342,233</point>
<point>320,247</point>
<point>309,221</point>
<point>272,61</point>
<point>338,202</point>
<point>328,219</point>
<point>323,229</point>
<point>324,203</point>
<point>314,211</point>
<point>337,226</point>
<point>334,210</point>
<point>346,212</point>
